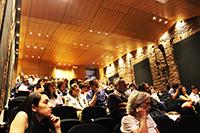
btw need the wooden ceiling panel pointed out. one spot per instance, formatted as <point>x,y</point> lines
<point>134,20</point>
<point>82,9</point>
<point>25,7</point>
<point>106,20</point>
<point>113,5</point>
<point>48,9</point>
<point>91,37</point>
<point>87,32</point>
<point>64,36</point>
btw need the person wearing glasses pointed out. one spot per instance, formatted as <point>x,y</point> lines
<point>138,119</point>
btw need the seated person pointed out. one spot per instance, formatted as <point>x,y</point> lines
<point>138,119</point>
<point>36,116</point>
<point>96,96</point>
<point>72,98</point>
<point>118,99</point>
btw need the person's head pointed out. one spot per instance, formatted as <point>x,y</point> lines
<point>144,87</point>
<point>37,104</point>
<point>50,89</point>
<point>74,90</point>
<point>120,85</point>
<point>94,84</point>
<point>194,89</point>
<point>84,87</point>
<point>136,100</point>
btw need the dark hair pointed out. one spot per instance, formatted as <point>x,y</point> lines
<point>32,99</point>
<point>47,90</point>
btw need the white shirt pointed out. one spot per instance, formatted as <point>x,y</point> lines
<point>71,101</point>
<point>130,124</point>
<point>194,97</point>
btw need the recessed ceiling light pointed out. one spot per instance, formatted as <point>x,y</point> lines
<point>47,35</point>
<point>32,56</point>
<point>18,9</point>
<point>97,63</point>
<point>28,46</point>
<point>87,45</point>
<point>26,56</point>
<point>16,49</point>
<point>35,47</point>
<point>160,20</point>
<point>116,47</point>
<point>17,53</point>
<point>90,30</point>
<point>17,34</point>
<point>98,32</point>
<point>64,64</point>
<point>81,44</point>
<point>38,57</point>
<point>59,63</point>
<point>42,48</point>
<point>106,34</point>
<point>93,62</point>
<point>18,22</point>
<point>166,22</point>
<point>74,43</point>
<point>39,34</point>
<point>17,42</point>
<point>31,33</point>
<point>154,18</point>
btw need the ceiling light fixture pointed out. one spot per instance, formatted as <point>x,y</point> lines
<point>154,18</point>
<point>162,1</point>
<point>90,30</point>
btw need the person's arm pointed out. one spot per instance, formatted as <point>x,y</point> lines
<point>20,123</point>
<point>93,101</point>
<point>56,122</point>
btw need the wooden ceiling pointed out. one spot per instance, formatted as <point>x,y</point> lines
<point>93,33</point>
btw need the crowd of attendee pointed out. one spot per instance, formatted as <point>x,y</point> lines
<point>136,107</point>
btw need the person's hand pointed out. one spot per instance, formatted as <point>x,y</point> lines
<point>142,113</point>
<point>55,120</point>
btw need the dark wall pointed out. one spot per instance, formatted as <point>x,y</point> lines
<point>187,57</point>
<point>143,72</point>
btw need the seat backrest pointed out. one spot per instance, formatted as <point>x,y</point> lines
<point>88,128</point>
<point>89,113</point>
<point>107,122</point>
<point>65,112</point>
<point>66,124</point>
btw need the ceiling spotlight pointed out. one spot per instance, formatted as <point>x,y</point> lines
<point>32,56</point>
<point>87,45</point>
<point>81,44</point>
<point>28,46</point>
<point>17,34</point>
<point>26,56</point>
<point>16,49</point>
<point>154,18</point>
<point>31,33</point>
<point>42,48</point>
<point>160,20</point>
<point>59,63</point>
<point>90,30</point>
<point>166,22</point>
<point>106,34</point>
<point>35,47</point>
<point>39,34</point>
<point>74,43</point>
<point>17,42</point>
<point>18,22</point>
<point>98,32</point>
<point>18,9</point>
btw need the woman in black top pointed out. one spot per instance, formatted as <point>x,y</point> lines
<point>36,116</point>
